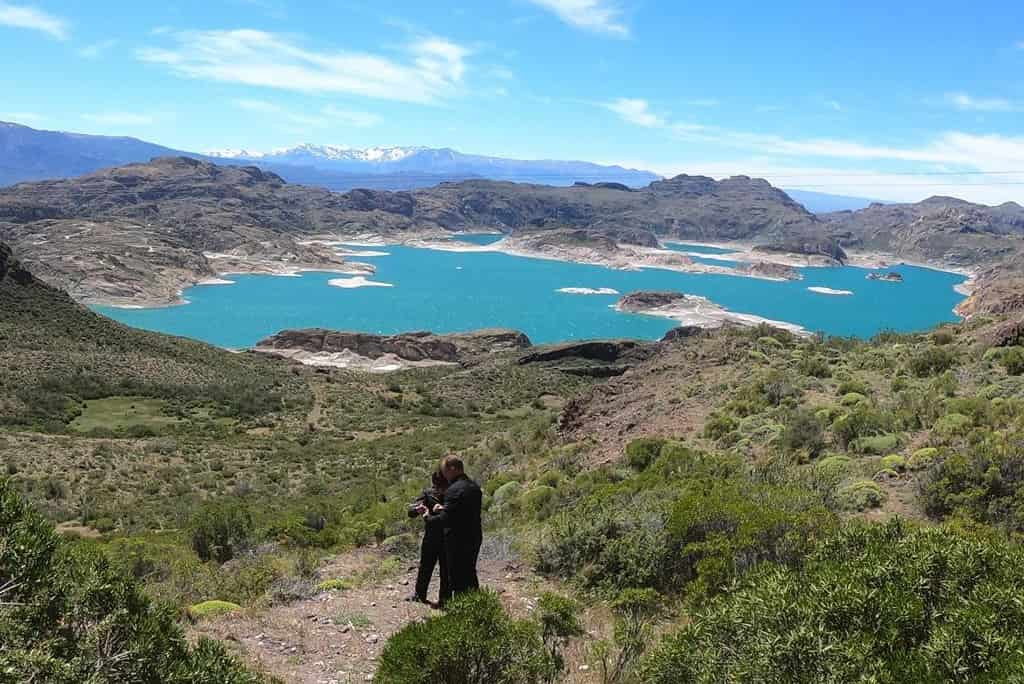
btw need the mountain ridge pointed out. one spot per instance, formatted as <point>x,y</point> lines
<point>28,154</point>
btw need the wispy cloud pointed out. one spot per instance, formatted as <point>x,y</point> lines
<point>834,105</point>
<point>23,16</point>
<point>21,117</point>
<point>329,115</point>
<point>965,102</point>
<point>121,118</point>
<point>96,49</point>
<point>433,68</point>
<point>635,111</point>
<point>597,16</point>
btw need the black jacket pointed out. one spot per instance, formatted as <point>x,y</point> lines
<point>461,513</point>
<point>428,498</point>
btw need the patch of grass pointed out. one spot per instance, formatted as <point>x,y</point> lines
<point>208,609</point>
<point>122,413</point>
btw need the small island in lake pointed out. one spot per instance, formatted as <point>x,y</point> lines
<point>888,277</point>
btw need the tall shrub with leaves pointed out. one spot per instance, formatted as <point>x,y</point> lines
<point>67,616</point>
<point>874,603</point>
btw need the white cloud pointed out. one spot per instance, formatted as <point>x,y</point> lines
<point>121,119</point>
<point>834,105</point>
<point>982,168</point>
<point>635,111</point>
<point>598,16</point>
<point>20,117</point>
<point>322,118</point>
<point>96,49</point>
<point>23,16</point>
<point>965,102</point>
<point>839,180</point>
<point>434,68</point>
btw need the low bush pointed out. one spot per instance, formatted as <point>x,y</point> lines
<point>69,616</point>
<point>932,361</point>
<point>720,530</point>
<point>212,609</point>
<point>875,603</point>
<point>860,495</point>
<point>876,444</point>
<point>474,642</point>
<point>1012,359</point>
<point>218,530</point>
<point>640,453</point>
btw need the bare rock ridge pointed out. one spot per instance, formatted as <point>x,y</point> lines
<point>140,233</point>
<point>647,300</point>
<point>413,346</point>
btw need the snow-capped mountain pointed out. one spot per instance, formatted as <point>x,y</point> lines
<point>435,164</point>
<point>306,152</point>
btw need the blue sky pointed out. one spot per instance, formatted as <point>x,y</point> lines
<point>878,99</point>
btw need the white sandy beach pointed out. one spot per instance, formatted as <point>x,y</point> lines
<point>356,281</point>
<point>830,291</point>
<point>588,291</point>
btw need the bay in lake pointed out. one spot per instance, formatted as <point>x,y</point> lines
<point>457,291</point>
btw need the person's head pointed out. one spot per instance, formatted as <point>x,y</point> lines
<point>452,467</point>
<point>438,479</point>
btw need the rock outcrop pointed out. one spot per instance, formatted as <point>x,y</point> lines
<point>413,346</point>
<point>647,300</point>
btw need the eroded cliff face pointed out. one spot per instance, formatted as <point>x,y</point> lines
<point>140,233</point>
<point>413,346</point>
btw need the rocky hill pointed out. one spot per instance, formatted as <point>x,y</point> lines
<point>940,229</point>
<point>140,233</point>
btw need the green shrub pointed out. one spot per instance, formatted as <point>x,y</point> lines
<point>853,386</point>
<point>876,444</point>
<point>474,642</point>
<point>861,421</point>
<point>634,611</point>
<point>875,603</point>
<point>852,399</point>
<point>718,425</point>
<point>539,502</point>
<point>640,453</point>
<point>802,431</point>
<point>860,495</point>
<point>952,425</point>
<point>922,458</point>
<point>69,616</point>
<point>1012,359</point>
<point>984,482</point>
<point>336,584</point>
<point>212,609</point>
<point>894,462</point>
<point>559,618</point>
<point>932,361</point>
<point>218,530</point>
<point>814,367</point>
<point>723,529</point>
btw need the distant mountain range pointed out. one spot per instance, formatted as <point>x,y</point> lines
<point>27,154</point>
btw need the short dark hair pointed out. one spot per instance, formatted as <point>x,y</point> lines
<point>438,479</point>
<point>454,462</point>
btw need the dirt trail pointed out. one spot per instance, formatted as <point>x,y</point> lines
<point>317,409</point>
<point>336,637</point>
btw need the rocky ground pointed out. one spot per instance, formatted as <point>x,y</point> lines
<point>335,637</point>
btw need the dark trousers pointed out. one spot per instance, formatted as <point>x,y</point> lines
<point>462,556</point>
<point>431,554</point>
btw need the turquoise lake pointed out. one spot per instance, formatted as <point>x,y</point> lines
<point>457,291</point>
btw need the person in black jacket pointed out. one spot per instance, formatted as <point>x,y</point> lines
<point>463,532</point>
<point>432,547</point>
